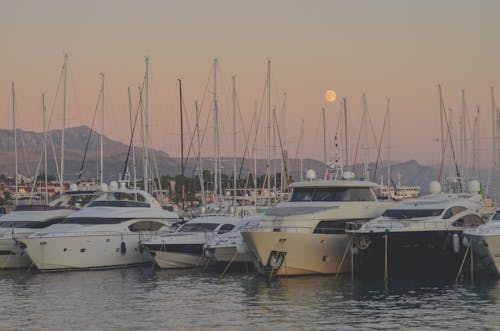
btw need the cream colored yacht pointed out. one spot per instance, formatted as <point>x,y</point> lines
<point>306,234</point>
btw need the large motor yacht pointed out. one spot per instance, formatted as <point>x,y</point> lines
<point>485,240</point>
<point>184,247</point>
<point>306,235</point>
<point>106,234</point>
<point>28,219</point>
<point>420,237</point>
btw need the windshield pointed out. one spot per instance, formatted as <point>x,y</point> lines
<point>99,203</point>
<point>496,217</point>
<point>29,224</point>
<point>412,213</point>
<point>332,194</point>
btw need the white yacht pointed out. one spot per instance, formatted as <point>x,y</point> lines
<point>306,235</point>
<point>28,219</point>
<point>485,241</point>
<point>106,234</point>
<point>419,237</point>
<point>229,248</point>
<point>184,247</point>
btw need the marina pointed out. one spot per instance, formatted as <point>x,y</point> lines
<point>231,165</point>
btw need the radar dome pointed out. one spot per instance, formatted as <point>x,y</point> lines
<point>473,186</point>
<point>73,187</point>
<point>434,187</point>
<point>103,187</point>
<point>348,175</point>
<point>113,186</point>
<point>310,174</point>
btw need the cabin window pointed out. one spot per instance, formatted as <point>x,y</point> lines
<point>93,220</point>
<point>145,226</point>
<point>198,227</point>
<point>332,194</point>
<point>412,213</point>
<point>469,221</point>
<point>80,200</point>
<point>453,211</point>
<point>330,227</point>
<point>225,228</point>
<point>302,194</point>
<point>29,224</point>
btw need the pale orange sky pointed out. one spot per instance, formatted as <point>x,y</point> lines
<point>397,49</point>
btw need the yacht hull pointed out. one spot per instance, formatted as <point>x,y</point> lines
<point>294,254</point>
<point>176,255</point>
<point>419,254</point>
<point>86,251</point>
<point>12,256</point>
<point>226,254</point>
<point>487,252</point>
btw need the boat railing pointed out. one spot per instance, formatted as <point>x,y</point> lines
<point>15,234</point>
<point>141,234</point>
<point>294,229</point>
<point>421,225</point>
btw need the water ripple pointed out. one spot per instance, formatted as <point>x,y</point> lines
<point>141,298</point>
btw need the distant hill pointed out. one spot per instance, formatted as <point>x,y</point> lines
<point>30,146</point>
<point>408,173</point>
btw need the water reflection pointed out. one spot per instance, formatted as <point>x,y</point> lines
<point>142,298</point>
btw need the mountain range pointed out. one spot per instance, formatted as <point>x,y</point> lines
<point>30,146</point>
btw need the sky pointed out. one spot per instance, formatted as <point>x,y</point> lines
<point>387,48</point>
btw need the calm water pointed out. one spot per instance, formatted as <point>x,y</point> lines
<point>141,298</point>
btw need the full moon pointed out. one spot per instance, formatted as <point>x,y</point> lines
<point>330,95</point>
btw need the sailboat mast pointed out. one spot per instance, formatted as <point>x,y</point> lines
<point>146,128</point>
<point>101,178</point>
<point>200,165</point>
<point>45,148</point>
<point>301,141</point>
<point>494,121</point>
<point>284,159</point>
<point>15,140</point>
<point>132,138</point>
<point>216,136</point>
<point>61,180</point>
<point>255,156</point>
<point>464,136</point>
<point>441,112</point>
<point>345,133</point>
<point>268,166</point>
<point>389,148</point>
<point>234,140</point>
<point>274,149</point>
<point>365,132</point>
<point>324,136</point>
<point>182,143</point>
